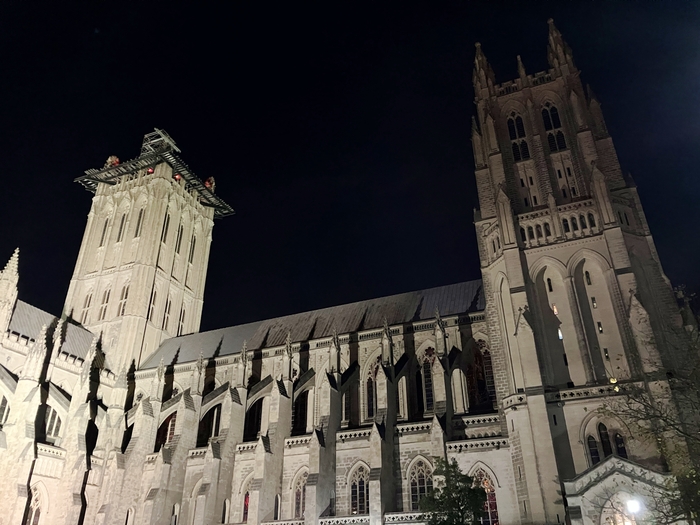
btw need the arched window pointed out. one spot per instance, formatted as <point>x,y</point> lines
<point>588,278</point>
<point>490,515</point>
<point>582,220</point>
<point>53,425</point>
<point>34,514</point>
<point>104,232</point>
<point>565,223</point>
<point>516,152</point>
<point>152,306</point>
<point>552,123</point>
<point>246,504</point>
<point>4,411</point>
<point>591,220</point>
<point>359,491</point>
<point>192,246</point>
<point>480,381</point>
<point>166,226</point>
<point>121,309</point>
<point>547,231</point>
<point>299,414</point>
<point>371,397</point>
<point>574,224</point>
<point>549,285</point>
<point>278,505</point>
<point>166,432</point>
<point>129,517</point>
<point>604,440</point>
<point>561,141</point>
<point>120,234</point>
<point>524,150</point>
<point>104,304</point>
<point>166,314</point>
<point>253,420</point>
<point>522,234</point>
<point>209,426</point>
<point>428,385</point>
<point>174,517</point>
<point>552,142</point>
<point>563,192</point>
<point>300,495</point>
<point>181,322</point>
<point>421,480</point>
<point>516,132</point>
<point>178,239</point>
<point>530,233</point>
<point>139,223</point>
<point>620,446</point>
<point>593,450</point>
<point>86,308</point>
<point>538,231</point>
<point>226,511</point>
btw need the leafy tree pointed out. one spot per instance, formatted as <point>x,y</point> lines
<point>456,498</point>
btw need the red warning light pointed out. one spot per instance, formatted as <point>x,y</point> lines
<point>177,176</point>
<point>150,170</point>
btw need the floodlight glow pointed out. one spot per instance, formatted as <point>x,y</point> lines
<point>633,506</point>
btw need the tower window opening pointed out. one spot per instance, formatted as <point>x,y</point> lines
<point>103,306</point>
<point>519,127</point>
<point>561,141</point>
<point>565,223</point>
<point>620,446</point>
<point>582,220</point>
<point>549,285</point>
<point>574,224</point>
<point>566,361</point>
<point>516,152</point>
<point>594,303</point>
<point>498,242</point>
<point>588,278</point>
<point>166,314</point>
<point>538,231</point>
<point>593,450</point>
<point>139,223</point>
<point>152,306</point>
<point>627,221</point>
<point>192,246</point>
<point>524,150</point>
<point>554,416</point>
<point>489,515</point>
<point>104,232</point>
<point>522,234</point>
<point>122,299</point>
<point>591,220</point>
<point>53,425</point>
<point>559,173</point>
<point>178,242</point>
<point>86,308</point>
<point>568,171</point>
<point>560,334</point>
<point>428,385</point>
<point>493,244</point>
<point>604,440</point>
<point>563,192</point>
<point>552,142</point>
<point>522,182</point>
<point>166,226</point>
<point>547,231</point>
<point>573,191</point>
<point>181,322</point>
<point>120,234</point>
<point>600,327</point>
<point>530,233</point>
<point>606,354</point>
<point>4,411</point>
<point>534,200</point>
<point>300,495</point>
<point>531,183</point>
<point>527,204</point>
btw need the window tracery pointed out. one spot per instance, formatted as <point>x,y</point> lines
<point>552,125</point>
<point>34,514</point>
<point>359,491</point>
<point>53,425</point>
<point>420,479</point>
<point>516,132</point>
<point>300,495</point>
<point>490,514</point>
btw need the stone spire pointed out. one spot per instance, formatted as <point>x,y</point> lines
<point>12,266</point>
<point>559,53</point>
<point>9,278</point>
<point>483,77</point>
<point>521,71</point>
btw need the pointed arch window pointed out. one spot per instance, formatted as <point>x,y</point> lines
<point>552,125</point>
<point>166,226</point>
<point>4,411</point>
<point>591,220</point>
<point>34,514</point>
<point>604,440</point>
<point>166,314</point>
<point>620,446</point>
<point>549,285</point>
<point>522,234</point>
<point>582,221</point>
<point>120,234</point>
<point>105,303</point>
<point>574,224</point>
<point>428,393</point>
<point>152,306</point>
<point>371,396</point>
<point>538,231</point>
<point>181,322</point>
<point>139,224</point>
<point>588,278</point>
<point>516,132</point>
<point>359,491</point>
<point>86,308</point>
<point>192,246</point>
<point>300,495</point>
<point>246,505</point>
<point>565,223</point>
<point>480,380</point>
<point>299,414</point>
<point>593,450</point>
<point>103,237</point>
<point>53,425</point>
<point>421,481</point>
<point>253,420</point>
<point>530,233</point>
<point>178,241</point>
<point>490,514</point>
<point>547,230</point>
<point>122,300</point>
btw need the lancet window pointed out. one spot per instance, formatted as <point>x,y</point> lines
<point>34,514</point>
<point>86,308</point>
<point>122,299</point>
<point>300,495</point>
<point>139,224</point>
<point>428,393</point>
<point>516,132</point>
<point>53,425</point>
<point>4,411</point>
<point>105,303</point>
<point>552,125</point>
<point>421,481</point>
<point>490,514</point>
<point>359,491</point>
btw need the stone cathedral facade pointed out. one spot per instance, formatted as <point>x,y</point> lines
<point>120,412</point>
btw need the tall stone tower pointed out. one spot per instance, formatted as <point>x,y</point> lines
<point>141,269</point>
<point>571,275</point>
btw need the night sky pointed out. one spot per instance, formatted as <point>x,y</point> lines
<point>341,136</point>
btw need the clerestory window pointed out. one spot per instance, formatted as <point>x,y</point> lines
<point>552,125</point>
<point>516,132</point>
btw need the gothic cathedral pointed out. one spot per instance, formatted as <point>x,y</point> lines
<point>120,412</point>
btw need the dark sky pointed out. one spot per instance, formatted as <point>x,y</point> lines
<point>339,135</point>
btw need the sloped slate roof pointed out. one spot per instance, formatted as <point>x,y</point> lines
<point>27,320</point>
<point>364,315</point>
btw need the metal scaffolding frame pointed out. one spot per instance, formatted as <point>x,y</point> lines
<point>157,147</point>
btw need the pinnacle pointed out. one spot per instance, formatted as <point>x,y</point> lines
<point>12,266</point>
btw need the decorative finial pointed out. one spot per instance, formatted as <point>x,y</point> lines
<point>288,344</point>
<point>12,266</point>
<point>200,362</point>
<point>161,369</point>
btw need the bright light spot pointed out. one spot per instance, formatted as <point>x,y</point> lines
<point>633,506</point>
